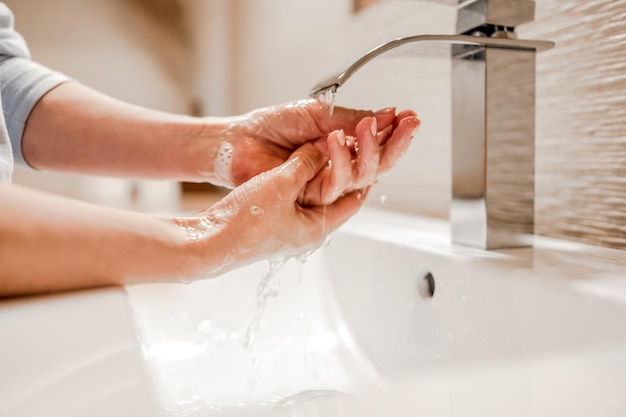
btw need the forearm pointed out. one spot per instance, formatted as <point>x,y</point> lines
<point>76,129</point>
<point>48,243</point>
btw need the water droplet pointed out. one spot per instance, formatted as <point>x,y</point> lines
<point>256,210</point>
<point>383,199</point>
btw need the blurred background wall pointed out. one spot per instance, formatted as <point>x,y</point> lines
<point>222,57</point>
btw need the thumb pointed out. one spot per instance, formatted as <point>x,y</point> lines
<point>304,164</point>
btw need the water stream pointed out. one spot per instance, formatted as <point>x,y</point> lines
<point>328,97</point>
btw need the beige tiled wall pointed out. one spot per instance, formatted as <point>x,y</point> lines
<point>581,120</point>
<point>581,123</point>
<point>581,117</point>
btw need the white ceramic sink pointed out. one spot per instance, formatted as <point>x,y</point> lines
<point>353,331</point>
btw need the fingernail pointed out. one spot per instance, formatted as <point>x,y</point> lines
<point>385,111</point>
<point>416,124</point>
<point>373,128</point>
<point>341,138</point>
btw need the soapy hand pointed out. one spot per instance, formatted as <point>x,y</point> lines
<point>356,162</point>
<point>262,218</point>
<point>361,144</point>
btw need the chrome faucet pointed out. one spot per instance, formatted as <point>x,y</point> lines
<point>493,120</point>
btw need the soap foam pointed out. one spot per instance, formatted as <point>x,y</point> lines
<point>222,165</point>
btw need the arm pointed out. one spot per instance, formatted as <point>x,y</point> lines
<point>74,128</point>
<point>50,243</point>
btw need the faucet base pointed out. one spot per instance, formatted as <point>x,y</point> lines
<point>493,158</point>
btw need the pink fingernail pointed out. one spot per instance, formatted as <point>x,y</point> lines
<point>373,128</point>
<point>341,138</point>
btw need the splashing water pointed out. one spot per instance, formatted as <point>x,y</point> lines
<point>268,287</point>
<point>327,97</point>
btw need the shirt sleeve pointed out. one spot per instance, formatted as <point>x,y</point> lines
<point>22,81</point>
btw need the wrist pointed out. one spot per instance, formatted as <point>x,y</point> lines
<point>204,252</point>
<point>208,152</point>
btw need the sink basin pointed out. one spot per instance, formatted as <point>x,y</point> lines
<point>388,318</point>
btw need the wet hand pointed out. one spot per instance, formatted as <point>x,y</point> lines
<point>265,138</point>
<point>357,161</point>
<point>262,218</point>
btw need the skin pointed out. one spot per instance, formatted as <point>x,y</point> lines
<point>287,195</point>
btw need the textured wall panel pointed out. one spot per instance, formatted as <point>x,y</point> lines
<point>581,120</point>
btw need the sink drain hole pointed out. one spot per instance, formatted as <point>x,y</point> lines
<point>430,281</point>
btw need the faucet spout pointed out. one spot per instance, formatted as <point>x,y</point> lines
<point>339,79</point>
<point>493,129</point>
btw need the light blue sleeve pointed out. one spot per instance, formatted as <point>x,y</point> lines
<point>22,81</point>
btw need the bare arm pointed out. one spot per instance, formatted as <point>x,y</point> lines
<point>49,243</point>
<point>76,129</point>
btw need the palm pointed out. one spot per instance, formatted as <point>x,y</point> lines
<point>256,156</point>
<point>270,135</point>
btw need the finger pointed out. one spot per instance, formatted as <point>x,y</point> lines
<point>405,113</point>
<point>385,117</point>
<point>315,183</point>
<point>384,135</point>
<point>341,169</point>
<point>332,180</point>
<point>303,165</point>
<point>313,193</point>
<point>341,210</point>
<point>351,143</point>
<point>368,155</point>
<point>398,143</point>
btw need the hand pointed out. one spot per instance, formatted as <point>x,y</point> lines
<point>376,152</point>
<point>265,138</point>
<point>262,217</point>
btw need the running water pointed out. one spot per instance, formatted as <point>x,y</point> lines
<point>268,287</point>
<point>327,97</point>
